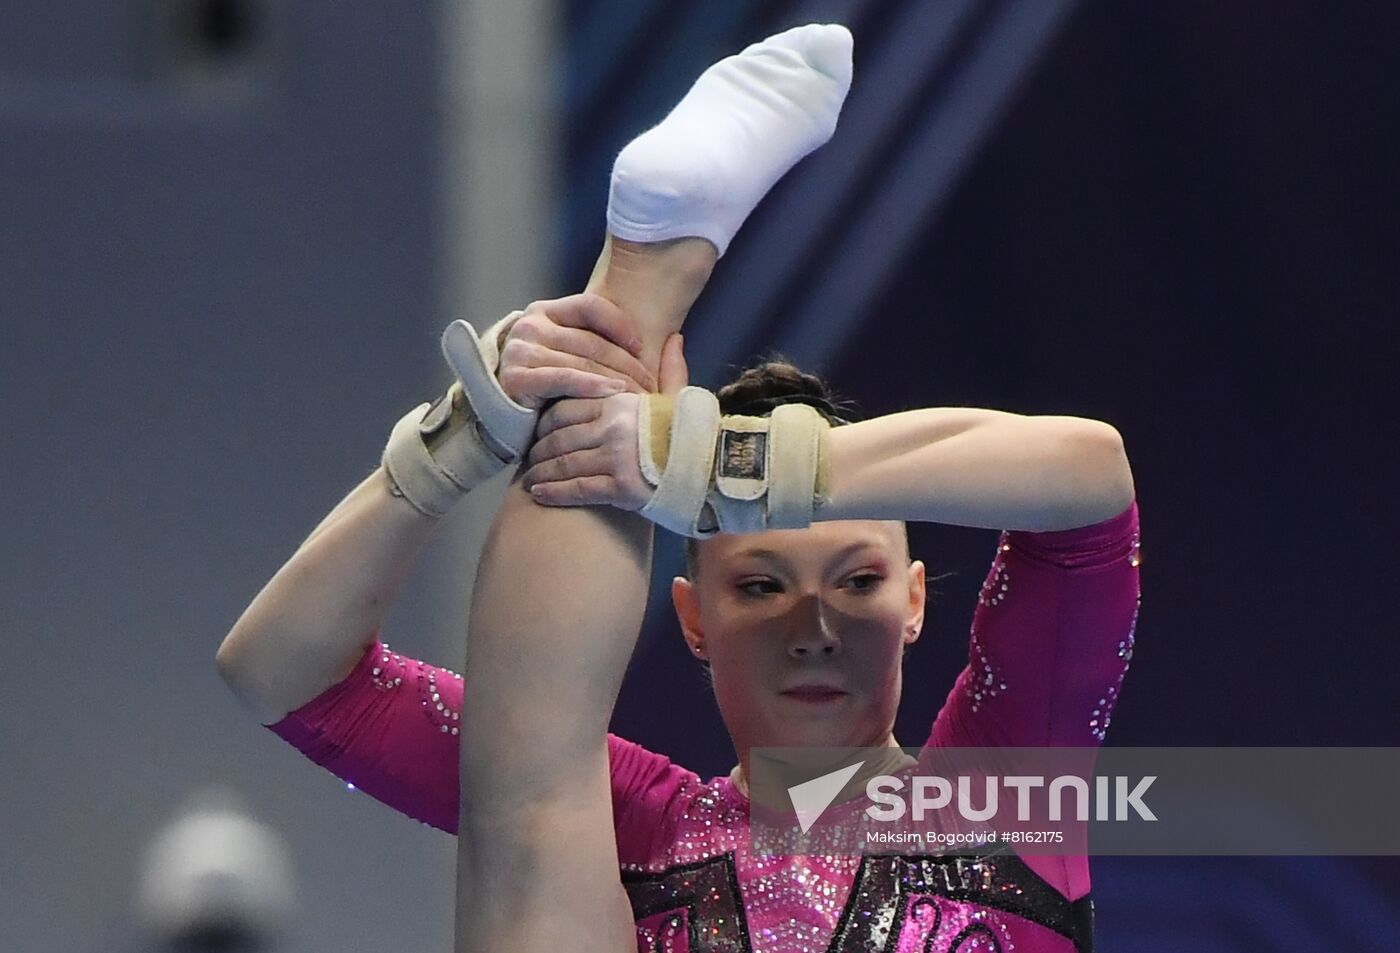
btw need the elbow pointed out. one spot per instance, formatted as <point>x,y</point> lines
<point>233,663</point>
<point>223,660</point>
<point>226,661</point>
<point>1107,477</point>
<point>248,686</point>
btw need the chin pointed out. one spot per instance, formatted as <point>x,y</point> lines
<point>814,732</point>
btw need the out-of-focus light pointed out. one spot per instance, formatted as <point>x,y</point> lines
<point>215,875</point>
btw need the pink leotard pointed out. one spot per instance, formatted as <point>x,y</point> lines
<point>1052,636</point>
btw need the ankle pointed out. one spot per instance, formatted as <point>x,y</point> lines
<point>657,282</point>
<point>681,262</point>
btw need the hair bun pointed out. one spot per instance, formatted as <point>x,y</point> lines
<point>773,383</point>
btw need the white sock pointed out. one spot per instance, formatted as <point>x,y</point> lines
<point>746,121</point>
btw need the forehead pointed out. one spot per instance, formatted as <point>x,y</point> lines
<point>819,544</point>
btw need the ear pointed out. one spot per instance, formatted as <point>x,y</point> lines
<point>918,597</point>
<point>687,603</point>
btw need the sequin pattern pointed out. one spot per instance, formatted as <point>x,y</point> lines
<point>998,582</point>
<point>825,903</point>
<point>663,933</point>
<point>792,903</point>
<point>1102,712</point>
<point>389,674</point>
<point>934,924</point>
<point>988,682</point>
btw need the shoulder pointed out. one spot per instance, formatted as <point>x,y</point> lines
<point>637,770</point>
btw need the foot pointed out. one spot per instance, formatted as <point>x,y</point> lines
<point>746,121</point>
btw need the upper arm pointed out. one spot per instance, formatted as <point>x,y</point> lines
<point>1052,636</point>
<point>391,727</point>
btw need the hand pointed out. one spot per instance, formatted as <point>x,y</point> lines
<point>579,346</point>
<point>585,451</point>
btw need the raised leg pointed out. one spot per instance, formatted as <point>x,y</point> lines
<point>561,593</point>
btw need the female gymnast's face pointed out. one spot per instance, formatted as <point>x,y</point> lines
<point>805,630</point>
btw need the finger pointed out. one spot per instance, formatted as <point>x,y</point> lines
<point>580,463</point>
<point>534,354</point>
<point>566,413</point>
<point>674,373</point>
<point>598,314</point>
<point>537,336</point>
<point>566,440</point>
<point>598,349</point>
<point>584,491</point>
<point>547,383</point>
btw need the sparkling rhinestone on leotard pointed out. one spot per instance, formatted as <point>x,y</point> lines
<point>439,704</point>
<point>986,682</point>
<point>998,582</point>
<point>983,682</point>
<point>828,903</point>
<point>1102,712</point>
<point>381,675</point>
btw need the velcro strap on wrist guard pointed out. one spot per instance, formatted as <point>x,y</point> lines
<point>474,359</point>
<point>768,471</point>
<point>676,450</point>
<point>796,441</point>
<point>435,454</point>
<point>731,474</point>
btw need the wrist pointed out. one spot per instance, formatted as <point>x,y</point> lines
<point>734,474</point>
<point>435,455</point>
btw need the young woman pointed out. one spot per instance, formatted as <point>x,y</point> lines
<point>803,628</point>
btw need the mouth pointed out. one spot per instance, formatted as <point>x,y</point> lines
<point>814,694</point>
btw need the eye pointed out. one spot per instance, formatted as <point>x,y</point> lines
<point>759,587</point>
<point>865,581</point>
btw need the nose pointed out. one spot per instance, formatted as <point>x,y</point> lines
<point>810,628</point>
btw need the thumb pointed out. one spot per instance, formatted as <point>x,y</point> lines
<point>673,374</point>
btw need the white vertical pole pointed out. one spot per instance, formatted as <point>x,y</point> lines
<point>501,156</point>
<point>502,152</point>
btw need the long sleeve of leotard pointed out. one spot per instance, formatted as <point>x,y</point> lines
<point>390,728</point>
<point>1052,636</point>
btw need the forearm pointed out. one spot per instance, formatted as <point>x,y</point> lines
<point>306,628</point>
<point>980,468</point>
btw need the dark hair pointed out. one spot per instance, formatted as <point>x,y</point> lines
<point>776,381</point>
<point>761,387</point>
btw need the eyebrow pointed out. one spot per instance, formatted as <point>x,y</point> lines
<point>760,552</point>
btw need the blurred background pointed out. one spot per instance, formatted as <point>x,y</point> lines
<point>232,230</point>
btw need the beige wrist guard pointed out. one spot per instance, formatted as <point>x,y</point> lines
<point>435,454</point>
<point>731,474</point>
<point>507,425</point>
<point>438,452</point>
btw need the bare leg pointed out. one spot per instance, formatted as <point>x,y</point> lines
<point>561,592</point>
<point>538,867</point>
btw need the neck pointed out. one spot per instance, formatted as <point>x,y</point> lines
<point>739,774</point>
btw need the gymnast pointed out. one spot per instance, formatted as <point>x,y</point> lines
<point>800,594</point>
